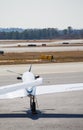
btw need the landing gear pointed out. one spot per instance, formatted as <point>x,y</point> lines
<point>33,104</point>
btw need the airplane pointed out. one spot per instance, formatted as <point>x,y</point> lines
<point>31,86</point>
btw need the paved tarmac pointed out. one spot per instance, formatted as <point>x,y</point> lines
<point>60,111</point>
<point>41,49</point>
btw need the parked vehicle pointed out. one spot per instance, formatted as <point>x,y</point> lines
<point>1,52</point>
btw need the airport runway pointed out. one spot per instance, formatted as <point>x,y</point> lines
<point>41,49</point>
<point>61,111</point>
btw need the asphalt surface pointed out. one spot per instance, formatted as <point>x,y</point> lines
<point>41,49</point>
<point>61,111</point>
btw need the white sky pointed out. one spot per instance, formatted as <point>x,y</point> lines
<point>41,13</point>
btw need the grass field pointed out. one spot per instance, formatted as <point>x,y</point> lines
<point>35,57</point>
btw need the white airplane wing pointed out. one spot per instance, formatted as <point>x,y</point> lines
<point>12,91</point>
<point>19,90</point>
<point>58,88</point>
<point>15,94</point>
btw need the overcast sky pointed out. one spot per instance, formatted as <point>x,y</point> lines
<point>41,13</point>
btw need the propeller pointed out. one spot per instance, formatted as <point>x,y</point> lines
<point>14,72</point>
<point>36,76</point>
<point>20,75</point>
<point>30,68</point>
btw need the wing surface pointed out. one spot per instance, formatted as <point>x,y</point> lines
<point>20,89</point>
<point>58,88</point>
<point>14,94</point>
<point>13,87</point>
<point>13,91</point>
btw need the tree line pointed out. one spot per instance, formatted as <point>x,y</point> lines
<point>46,33</point>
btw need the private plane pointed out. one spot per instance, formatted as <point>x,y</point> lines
<point>31,87</point>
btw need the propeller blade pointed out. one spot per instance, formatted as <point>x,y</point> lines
<point>30,68</point>
<point>14,72</point>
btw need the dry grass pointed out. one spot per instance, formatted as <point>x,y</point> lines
<point>35,57</point>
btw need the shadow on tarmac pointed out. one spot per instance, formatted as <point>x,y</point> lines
<point>39,114</point>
